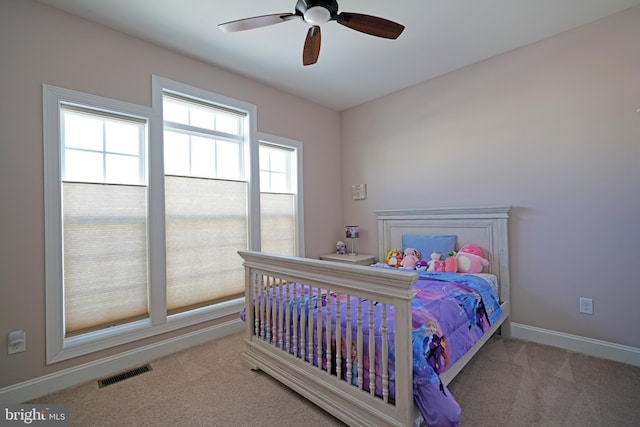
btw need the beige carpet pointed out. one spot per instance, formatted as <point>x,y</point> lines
<point>537,385</point>
<point>509,383</point>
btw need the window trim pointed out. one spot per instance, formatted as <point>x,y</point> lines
<point>296,146</point>
<point>157,235</point>
<point>58,347</point>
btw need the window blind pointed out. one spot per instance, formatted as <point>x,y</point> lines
<point>278,223</point>
<point>105,255</point>
<point>206,224</point>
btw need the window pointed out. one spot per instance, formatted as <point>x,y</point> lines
<point>202,140</point>
<point>144,213</point>
<point>104,218</point>
<point>102,148</point>
<point>206,202</point>
<point>280,201</point>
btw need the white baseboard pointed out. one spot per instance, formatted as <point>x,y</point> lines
<point>592,347</point>
<point>37,387</point>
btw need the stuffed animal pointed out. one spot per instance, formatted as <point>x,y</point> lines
<point>394,258</point>
<point>435,261</point>
<point>450,263</point>
<point>341,248</point>
<point>470,259</point>
<point>410,259</point>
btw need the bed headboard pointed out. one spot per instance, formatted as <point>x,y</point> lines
<point>486,227</point>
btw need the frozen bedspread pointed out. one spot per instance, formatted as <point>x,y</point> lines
<point>450,312</point>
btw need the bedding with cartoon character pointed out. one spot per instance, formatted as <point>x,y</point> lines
<point>450,312</point>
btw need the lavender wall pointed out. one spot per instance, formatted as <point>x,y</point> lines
<point>550,129</point>
<point>40,45</point>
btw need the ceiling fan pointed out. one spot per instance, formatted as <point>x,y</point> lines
<point>316,13</point>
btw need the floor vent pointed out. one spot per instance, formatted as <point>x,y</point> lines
<point>123,376</point>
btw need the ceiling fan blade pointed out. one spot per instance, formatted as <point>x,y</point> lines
<point>256,22</point>
<point>372,25</point>
<point>312,46</point>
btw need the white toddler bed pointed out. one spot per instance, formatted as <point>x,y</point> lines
<point>281,328</point>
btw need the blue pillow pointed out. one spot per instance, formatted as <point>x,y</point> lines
<point>427,244</point>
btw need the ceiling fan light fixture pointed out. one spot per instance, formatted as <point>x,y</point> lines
<point>317,15</point>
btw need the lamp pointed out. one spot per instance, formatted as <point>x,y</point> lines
<point>352,232</point>
<point>317,15</point>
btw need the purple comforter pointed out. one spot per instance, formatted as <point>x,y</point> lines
<point>450,313</point>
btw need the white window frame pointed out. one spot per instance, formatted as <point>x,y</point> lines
<point>58,347</point>
<point>161,85</point>
<point>296,146</point>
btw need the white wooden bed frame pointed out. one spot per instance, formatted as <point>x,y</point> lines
<point>486,227</point>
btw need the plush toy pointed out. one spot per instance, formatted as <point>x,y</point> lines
<point>450,263</point>
<point>341,248</point>
<point>421,265</point>
<point>470,259</point>
<point>434,262</point>
<point>410,259</point>
<point>394,258</point>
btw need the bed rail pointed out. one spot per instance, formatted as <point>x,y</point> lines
<point>285,297</point>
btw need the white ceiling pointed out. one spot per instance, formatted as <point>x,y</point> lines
<point>440,36</point>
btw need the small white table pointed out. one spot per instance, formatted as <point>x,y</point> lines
<point>359,259</point>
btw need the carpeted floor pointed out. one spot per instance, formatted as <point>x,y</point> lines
<point>519,383</point>
<point>508,383</point>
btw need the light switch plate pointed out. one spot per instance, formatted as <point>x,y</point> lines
<point>586,305</point>
<point>359,191</point>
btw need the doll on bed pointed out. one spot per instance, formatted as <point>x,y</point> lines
<point>410,259</point>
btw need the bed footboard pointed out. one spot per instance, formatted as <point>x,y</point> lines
<point>288,336</point>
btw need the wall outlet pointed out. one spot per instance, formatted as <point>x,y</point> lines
<point>586,305</point>
<point>17,341</point>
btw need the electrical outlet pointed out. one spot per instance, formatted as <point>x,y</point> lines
<point>17,341</point>
<point>586,305</point>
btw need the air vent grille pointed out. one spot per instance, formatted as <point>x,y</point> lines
<point>123,376</point>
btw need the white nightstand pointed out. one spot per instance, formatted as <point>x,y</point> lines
<point>360,259</point>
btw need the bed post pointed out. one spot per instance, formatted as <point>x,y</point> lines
<point>404,363</point>
<point>501,235</point>
<point>249,324</point>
